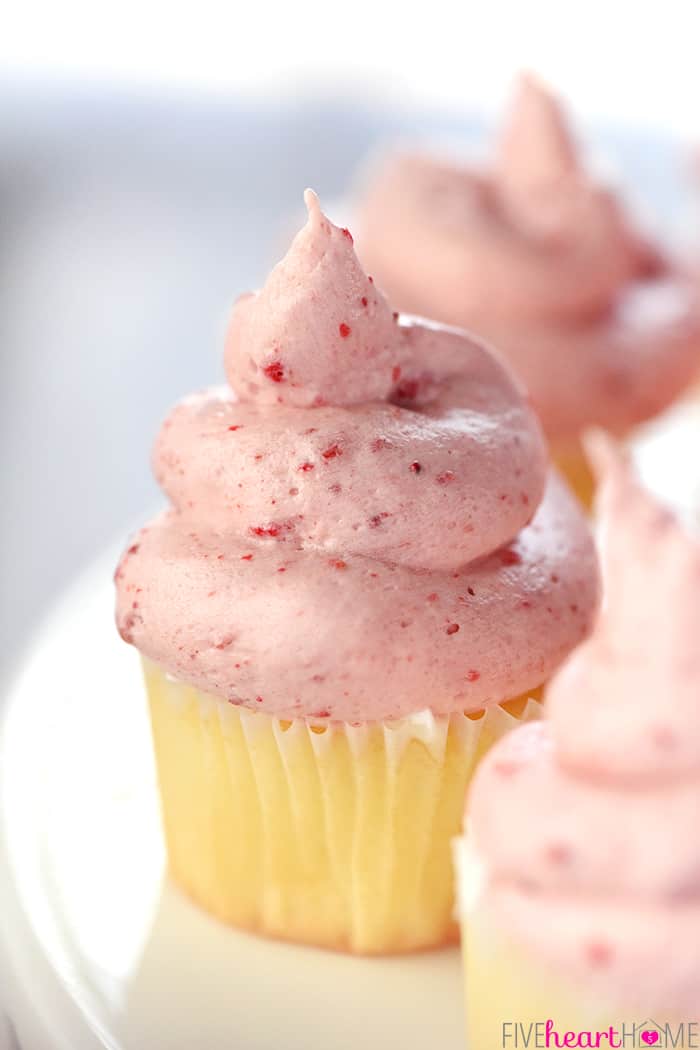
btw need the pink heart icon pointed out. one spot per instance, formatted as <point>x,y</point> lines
<point>650,1038</point>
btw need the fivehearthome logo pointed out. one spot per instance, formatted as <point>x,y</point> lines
<point>543,1035</point>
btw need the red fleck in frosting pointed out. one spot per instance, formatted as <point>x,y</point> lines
<point>369,501</point>
<point>597,808</point>
<point>534,255</point>
<point>318,333</point>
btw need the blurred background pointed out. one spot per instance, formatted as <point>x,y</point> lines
<point>152,160</point>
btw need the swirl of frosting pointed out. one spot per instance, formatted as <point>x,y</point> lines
<point>536,256</point>
<point>598,864</point>
<point>531,237</point>
<point>359,526</point>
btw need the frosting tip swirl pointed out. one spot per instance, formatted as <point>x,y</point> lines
<point>536,144</point>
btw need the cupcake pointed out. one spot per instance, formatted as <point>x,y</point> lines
<point>363,579</point>
<point>580,871</point>
<point>533,254</point>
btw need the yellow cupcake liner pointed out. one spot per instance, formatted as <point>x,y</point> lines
<point>336,835</point>
<point>571,462</point>
<point>510,991</point>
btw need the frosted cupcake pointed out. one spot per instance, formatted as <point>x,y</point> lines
<point>531,253</point>
<point>363,580</point>
<point>580,875</point>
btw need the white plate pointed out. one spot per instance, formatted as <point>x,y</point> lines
<point>101,950</point>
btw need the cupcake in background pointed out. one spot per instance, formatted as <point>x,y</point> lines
<point>364,578</point>
<point>579,877</point>
<point>534,255</point>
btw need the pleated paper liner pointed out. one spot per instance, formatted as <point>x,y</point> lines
<point>334,835</point>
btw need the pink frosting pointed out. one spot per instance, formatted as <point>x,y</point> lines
<point>597,864</point>
<point>536,256</point>
<point>288,346</point>
<point>364,528</point>
<point>617,369</point>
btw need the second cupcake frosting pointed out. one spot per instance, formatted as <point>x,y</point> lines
<point>536,255</point>
<point>532,238</point>
<point>336,543</point>
<point>597,866</point>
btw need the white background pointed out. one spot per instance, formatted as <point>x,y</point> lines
<point>622,59</point>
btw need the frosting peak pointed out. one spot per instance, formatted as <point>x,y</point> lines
<point>640,670</point>
<point>549,196</point>
<point>320,332</point>
<point>536,146</point>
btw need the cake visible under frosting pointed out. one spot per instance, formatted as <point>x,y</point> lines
<point>537,256</point>
<point>587,824</point>
<point>364,528</point>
